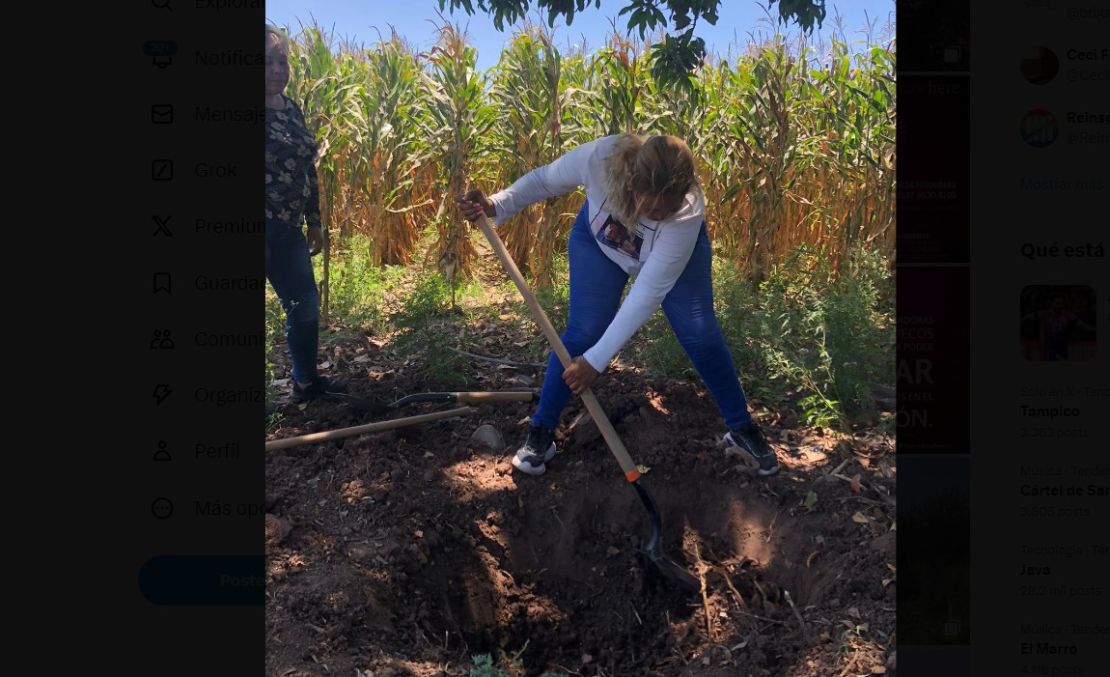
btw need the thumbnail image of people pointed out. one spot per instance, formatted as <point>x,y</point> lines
<point>1058,323</point>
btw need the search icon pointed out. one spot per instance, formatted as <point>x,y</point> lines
<point>162,4</point>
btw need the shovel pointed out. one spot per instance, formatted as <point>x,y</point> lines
<point>653,549</point>
<point>463,397</point>
<point>366,405</point>
<point>324,436</point>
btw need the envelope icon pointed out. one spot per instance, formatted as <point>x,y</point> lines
<point>161,113</point>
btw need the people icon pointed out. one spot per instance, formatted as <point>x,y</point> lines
<point>161,340</point>
<point>162,454</point>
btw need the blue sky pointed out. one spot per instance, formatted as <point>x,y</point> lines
<point>357,19</point>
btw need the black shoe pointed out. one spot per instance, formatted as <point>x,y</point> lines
<point>321,386</point>
<point>537,450</point>
<point>750,439</point>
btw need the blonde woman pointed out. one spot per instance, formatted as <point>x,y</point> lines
<point>293,198</point>
<point>644,217</point>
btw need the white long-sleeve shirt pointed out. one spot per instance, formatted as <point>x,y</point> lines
<point>654,253</point>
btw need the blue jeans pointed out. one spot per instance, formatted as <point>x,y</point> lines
<point>289,270</point>
<point>596,283</point>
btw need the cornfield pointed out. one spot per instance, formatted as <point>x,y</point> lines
<point>793,148</point>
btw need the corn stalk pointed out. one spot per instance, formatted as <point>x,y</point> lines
<point>531,97</point>
<point>792,148</point>
<point>458,117</point>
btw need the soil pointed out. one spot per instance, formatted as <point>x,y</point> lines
<point>414,550</point>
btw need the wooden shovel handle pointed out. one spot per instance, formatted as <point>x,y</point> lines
<point>588,397</point>
<point>505,396</point>
<point>340,433</point>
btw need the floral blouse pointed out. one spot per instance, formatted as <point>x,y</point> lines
<point>292,192</point>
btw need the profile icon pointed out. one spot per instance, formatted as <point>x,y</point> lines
<point>1039,128</point>
<point>162,454</point>
<point>1040,65</point>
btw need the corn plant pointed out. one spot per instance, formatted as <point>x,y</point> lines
<point>394,162</point>
<point>530,97</point>
<point>793,148</point>
<point>458,120</point>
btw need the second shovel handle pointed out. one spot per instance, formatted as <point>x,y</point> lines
<point>340,433</point>
<point>510,396</point>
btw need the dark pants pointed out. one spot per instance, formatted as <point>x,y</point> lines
<point>289,270</point>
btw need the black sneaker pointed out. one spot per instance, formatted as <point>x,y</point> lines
<point>751,440</point>
<point>321,387</point>
<point>537,450</point>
